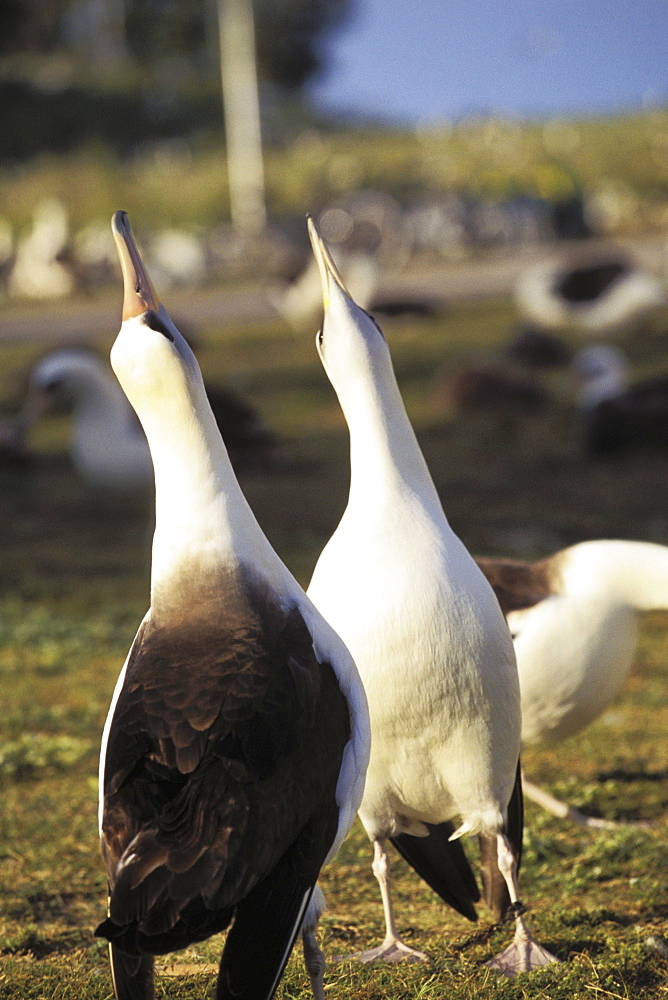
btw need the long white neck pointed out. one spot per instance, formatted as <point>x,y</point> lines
<point>635,573</point>
<point>204,526</point>
<point>384,453</point>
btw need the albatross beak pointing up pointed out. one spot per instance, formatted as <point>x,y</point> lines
<point>328,270</point>
<point>139,293</point>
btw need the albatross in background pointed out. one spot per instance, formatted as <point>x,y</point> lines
<point>234,752</point>
<point>616,414</point>
<point>601,296</point>
<point>431,645</point>
<point>108,447</point>
<point>574,619</point>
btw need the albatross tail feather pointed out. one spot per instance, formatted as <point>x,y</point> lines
<point>443,865</point>
<point>257,950</point>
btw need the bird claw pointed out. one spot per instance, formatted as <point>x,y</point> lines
<point>389,951</point>
<point>521,956</point>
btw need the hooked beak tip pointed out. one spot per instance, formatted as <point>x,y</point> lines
<point>139,294</point>
<point>328,270</point>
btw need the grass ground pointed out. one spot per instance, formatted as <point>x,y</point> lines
<point>73,586</point>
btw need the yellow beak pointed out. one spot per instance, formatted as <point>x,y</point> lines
<point>138,293</point>
<point>328,269</point>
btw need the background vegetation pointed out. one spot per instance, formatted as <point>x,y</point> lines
<point>619,165</point>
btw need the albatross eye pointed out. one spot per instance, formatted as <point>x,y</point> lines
<point>320,338</point>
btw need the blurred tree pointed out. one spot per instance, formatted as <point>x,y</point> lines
<point>290,34</point>
<point>290,37</point>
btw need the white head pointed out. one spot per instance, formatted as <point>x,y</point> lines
<point>603,373</point>
<point>626,572</point>
<point>73,374</point>
<point>357,360</point>
<point>350,342</point>
<point>199,505</point>
<point>150,357</point>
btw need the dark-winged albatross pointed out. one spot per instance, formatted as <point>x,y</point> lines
<point>574,618</point>
<point>599,295</point>
<point>234,752</point>
<point>108,447</point>
<point>431,645</point>
<point>616,414</point>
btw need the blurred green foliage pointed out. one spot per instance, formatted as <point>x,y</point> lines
<point>619,164</point>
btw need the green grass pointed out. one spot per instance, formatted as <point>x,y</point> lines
<point>73,587</point>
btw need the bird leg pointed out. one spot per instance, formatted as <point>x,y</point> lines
<point>393,948</point>
<point>314,957</point>
<point>524,954</point>
<point>564,811</point>
<point>314,960</point>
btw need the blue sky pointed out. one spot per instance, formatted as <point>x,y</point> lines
<point>408,61</point>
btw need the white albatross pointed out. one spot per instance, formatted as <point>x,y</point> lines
<point>234,751</point>
<point>431,645</point>
<point>107,445</point>
<point>574,618</point>
<point>616,414</point>
<point>598,295</point>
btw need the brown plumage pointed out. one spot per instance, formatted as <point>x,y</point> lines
<point>215,725</point>
<point>519,584</point>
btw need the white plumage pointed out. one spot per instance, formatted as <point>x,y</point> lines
<point>597,296</point>
<point>430,642</point>
<point>234,752</point>
<point>574,617</point>
<point>107,446</point>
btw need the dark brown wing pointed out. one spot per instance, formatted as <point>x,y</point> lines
<point>225,745</point>
<point>519,585</point>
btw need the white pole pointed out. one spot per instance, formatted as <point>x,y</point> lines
<point>242,115</point>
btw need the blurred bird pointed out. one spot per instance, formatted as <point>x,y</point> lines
<point>299,301</point>
<point>234,751</point>
<point>536,349</point>
<point>574,620</point>
<point>617,415</point>
<point>38,271</point>
<point>600,296</point>
<point>489,386</point>
<point>430,643</point>
<point>108,447</point>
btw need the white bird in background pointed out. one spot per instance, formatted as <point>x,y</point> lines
<point>431,645</point>
<point>38,272</point>
<point>574,619</point>
<point>234,752</point>
<point>108,447</point>
<point>617,414</point>
<point>600,296</point>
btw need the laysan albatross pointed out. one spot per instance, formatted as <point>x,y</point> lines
<point>574,619</point>
<point>108,447</point>
<point>234,752</point>
<point>431,645</point>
